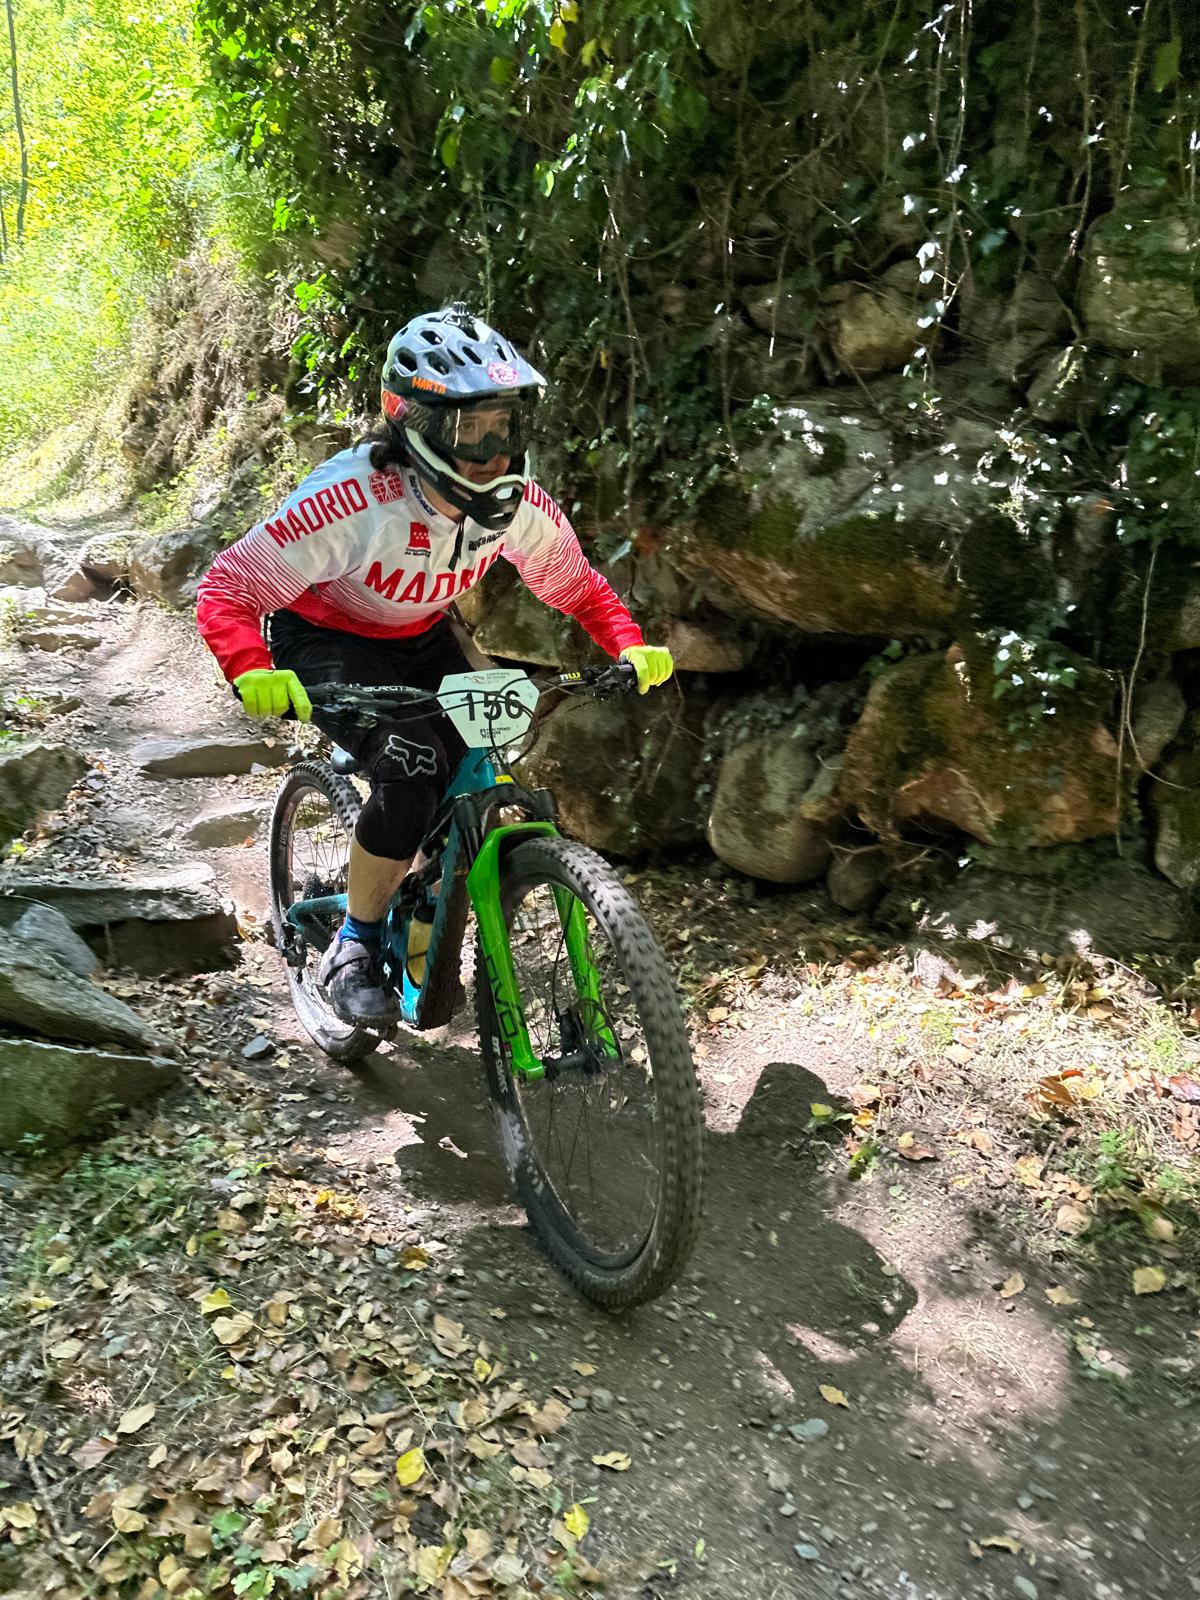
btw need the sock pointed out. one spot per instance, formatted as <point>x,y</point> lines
<point>368,933</point>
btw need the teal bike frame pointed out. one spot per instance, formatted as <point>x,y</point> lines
<point>469,860</point>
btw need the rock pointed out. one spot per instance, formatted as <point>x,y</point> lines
<point>53,638</point>
<point>807,1552</point>
<point>811,531</point>
<point>56,1093</point>
<point>106,556</point>
<point>80,586</point>
<point>207,757</point>
<point>258,1049</point>
<point>696,649</point>
<point>855,878</point>
<point>601,1399</point>
<point>788,311</point>
<point>1158,712</point>
<point>1139,288</point>
<point>508,620</point>
<point>50,931</point>
<point>19,563</point>
<point>232,824</point>
<point>623,771</point>
<point>1175,806</point>
<point>170,566</point>
<point>807,1432</point>
<point>780,368</point>
<point>934,747</point>
<point>39,996</point>
<point>1022,328</point>
<point>755,824</point>
<point>1083,906</point>
<point>875,330</point>
<point>1072,384</point>
<point>1025,1587</point>
<point>174,922</point>
<point>35,777</point>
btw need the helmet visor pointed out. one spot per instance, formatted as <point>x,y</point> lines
<point>496,425</point>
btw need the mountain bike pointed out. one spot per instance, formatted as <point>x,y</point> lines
<point>586,1056</point>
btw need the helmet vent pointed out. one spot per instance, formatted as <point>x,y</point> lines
<point>439,363</point>
<point>470,351</point>
<point>407,360</point>
<point>430,336</point>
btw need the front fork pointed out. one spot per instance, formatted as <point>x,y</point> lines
<point>483,885</point>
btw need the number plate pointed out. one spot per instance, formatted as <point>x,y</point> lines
<point>490,708</point>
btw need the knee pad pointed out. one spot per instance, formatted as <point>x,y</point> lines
<point>408,778</point>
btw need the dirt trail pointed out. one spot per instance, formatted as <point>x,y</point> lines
<point>969,1417</point>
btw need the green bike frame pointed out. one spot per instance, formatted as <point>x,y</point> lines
<point>472,792</point>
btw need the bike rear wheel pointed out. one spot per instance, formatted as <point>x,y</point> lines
<point>604,1152</point>
<point>311,829</point>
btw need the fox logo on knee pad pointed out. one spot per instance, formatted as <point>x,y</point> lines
<point>413,759</point>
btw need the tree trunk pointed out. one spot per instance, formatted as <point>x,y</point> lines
<point>23,192</point>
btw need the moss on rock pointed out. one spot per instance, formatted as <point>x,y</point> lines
<point>933,746</point>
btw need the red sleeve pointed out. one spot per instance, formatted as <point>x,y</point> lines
<point>561,577</point>
<point>242,585</point>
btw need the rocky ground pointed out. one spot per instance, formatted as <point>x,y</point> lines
<point>283,1331</point>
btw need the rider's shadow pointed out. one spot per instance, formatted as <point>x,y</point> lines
<point>788,1275</point>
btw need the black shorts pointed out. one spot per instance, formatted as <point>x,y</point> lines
<point>408,764</point>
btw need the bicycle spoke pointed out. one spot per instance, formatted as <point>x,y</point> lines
<point>596,1129</point>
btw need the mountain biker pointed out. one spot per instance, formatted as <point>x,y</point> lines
<point>355,572</point>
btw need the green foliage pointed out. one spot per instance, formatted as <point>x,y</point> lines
<point>123,179</point>
<point>599,177</point>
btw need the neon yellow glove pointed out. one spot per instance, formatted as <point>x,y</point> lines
<point>268,693</point>
<point>653,663</point>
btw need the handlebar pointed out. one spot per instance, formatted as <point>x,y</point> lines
<point>620,678</point>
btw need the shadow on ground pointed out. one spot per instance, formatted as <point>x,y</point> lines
<point>970,1418</point>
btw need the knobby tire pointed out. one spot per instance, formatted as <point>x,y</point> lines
<point>341,1041</point>
<point>664,1252</point>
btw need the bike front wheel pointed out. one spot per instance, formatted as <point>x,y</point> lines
<point>605,1150</point>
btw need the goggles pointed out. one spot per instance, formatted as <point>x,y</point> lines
<point>479,431</point>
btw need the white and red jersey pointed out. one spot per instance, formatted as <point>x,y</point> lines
<point>365,552</point>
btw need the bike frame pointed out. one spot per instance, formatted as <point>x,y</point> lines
<point>471,858</point>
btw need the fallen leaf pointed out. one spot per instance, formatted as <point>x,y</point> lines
<point>414,1259</point>
<point>718,1014</point>
<point>411,1466</point>
<point>92,1452</point>
<point>431,1561</point>
<point>1155,1225</point>
<point>1072,1218</point>
<point>576,1521</point>
<point>229,1330</point>
<point>835,1397</point>
<point>217,1300</point>
<point>66,1349</point>
<point>1002,1541</point>
<point>1058,1296</point>
<point>1149,1280</point>
<point>585,1369</point>
<point>478,1544</point>
<point>1012,1286</point>
<point>1028,1171</point>
<point>959,1054</point>
<point>157,1456</point>
<point>135,1419</point>
<point>1053,1092</point>
<point>1185,1088</point>
<point>614,1460</point>
<point>22,1515</point>
<point>910,1150</point>
<point>979,1140</point>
